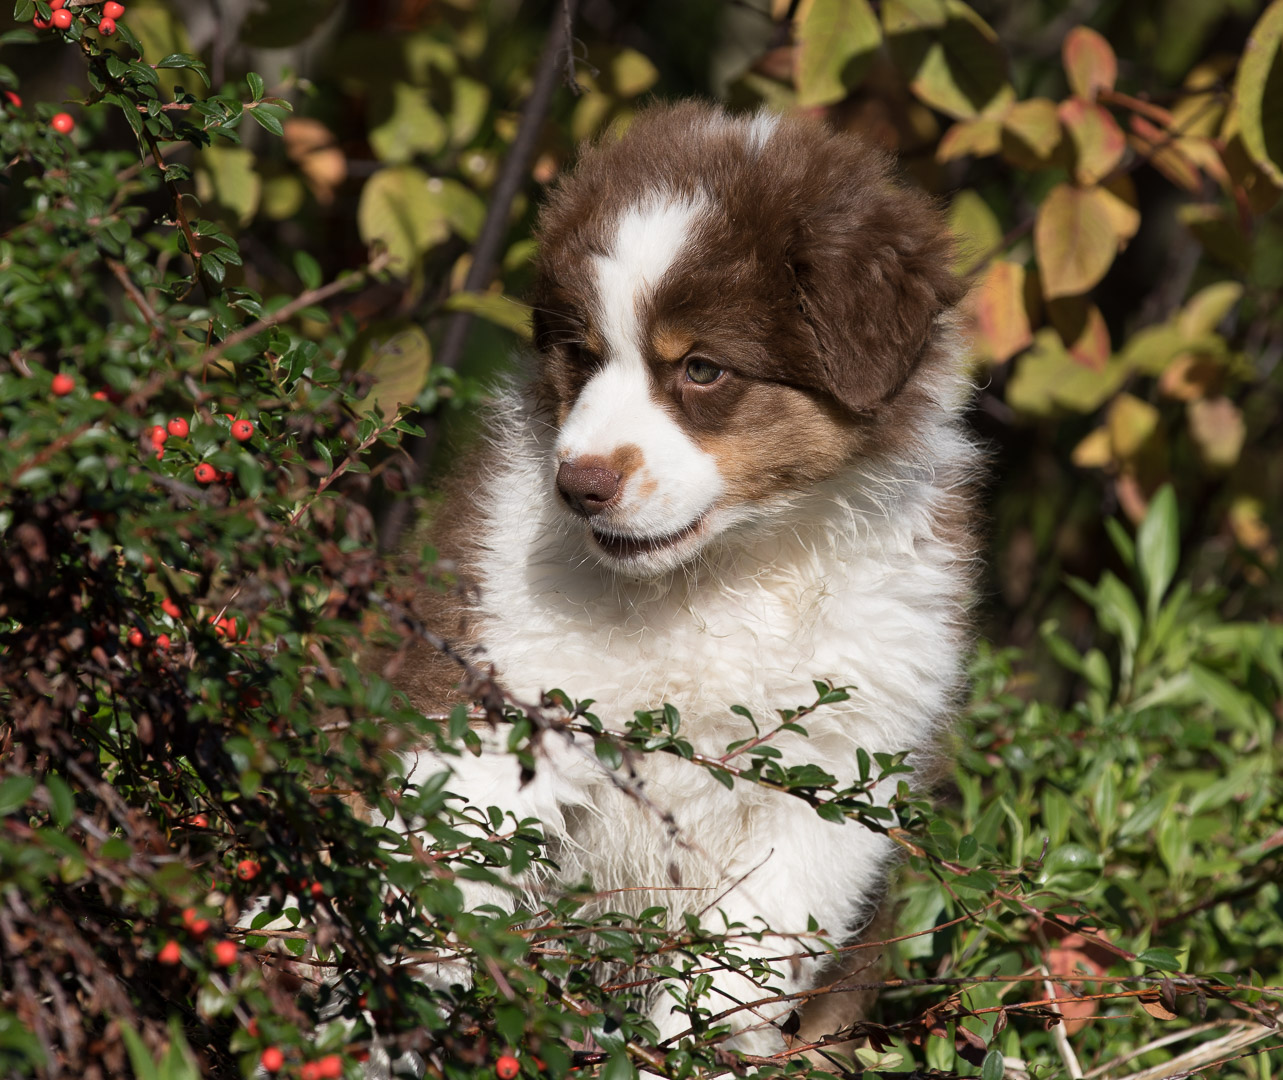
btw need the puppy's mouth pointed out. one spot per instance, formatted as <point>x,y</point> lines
<point>624,547</point>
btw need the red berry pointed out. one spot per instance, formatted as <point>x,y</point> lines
<point>63,19</point>
<point>40,24</point>
<point>309,1071</point>
<point>170,608</point>
<point>113,10</point>
<point>316,889</point>
<point>158,435</point>
<point>170,954</point>
<point>62,122</point>
<point>252,1027</point>
<point>13,99</point>
<point>199,821</point>
<point>106,25</point>
<point>225,953</point>
<point>247,869</point>
<point>272,1059</point>
<point>99,395</point>
<point>54,5</point>
<point>62,385</point>
<point>242,430</point>
<point>329,1067</point>
<point>206,473</point>
<point>178,428</point>
<point>136,637</point>
<point>507,1067</point>
<point>162,641</point>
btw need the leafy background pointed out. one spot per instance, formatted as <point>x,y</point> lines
<point>315,217</point>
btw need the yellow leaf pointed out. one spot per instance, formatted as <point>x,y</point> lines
<point>1090,63</point>
<point>978,138</point>
<point>1120,203</point>
<point>1001,323</point>
<point>469,100</point>
<point>836,42</point>
<point>1203,312</point>
<point>913,16</point>
<point>1082,328</point>
<point>1131,423</point>
<point>1219,233</point>
<point>1095,451</point>
<point>632,73</point>
<point>1099,143</point>
<point>1075,239</point>
<point>226,175</point>
<point>1257,93</point>
<point>398,357</point>
<point>959,69</point>
<point>410,126</point>
<point>1046,377</point>
<point>976,228</point>
<point>494,307</point>
<point>395,210</point>
<point>1031,133</point>
<point>1218,429</point>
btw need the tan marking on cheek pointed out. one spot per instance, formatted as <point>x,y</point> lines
<point>626,460</point>
<point>779,439</point>
<point>647,485</point>
<point>671,344</point>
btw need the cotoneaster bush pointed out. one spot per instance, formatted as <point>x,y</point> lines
<point>188,574</point>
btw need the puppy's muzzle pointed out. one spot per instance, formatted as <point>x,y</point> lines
<point>587,489</point>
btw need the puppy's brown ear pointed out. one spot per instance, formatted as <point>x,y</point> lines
<point>873,267</point>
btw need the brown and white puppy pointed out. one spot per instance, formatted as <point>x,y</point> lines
<point>739,467</point>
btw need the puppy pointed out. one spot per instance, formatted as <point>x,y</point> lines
<point>739,466</point>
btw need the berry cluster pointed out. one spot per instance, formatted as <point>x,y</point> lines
<point>62,17</point>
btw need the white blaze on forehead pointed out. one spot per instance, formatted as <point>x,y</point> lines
<point>676,481</point>
<point>648,239</point>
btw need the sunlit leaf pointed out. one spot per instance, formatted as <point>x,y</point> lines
<point>226,175</point>
<point>1090,63</point>
<point>1099,143</point>
<point>975,226</point>
<point>1158,547</point>
<point>411,126</point>
<point>1002,324</point>
<point>1075,239</point>
<point>632,73</point>
<point>395,210</point>
<point>960,69</point>
<point>1258,91</point>
<point>1031,133</point>
<point>977,138</point>
<point>1218,430</point>
<point>494,307</point>
<point>1082,328</point>
<point>836,43</point>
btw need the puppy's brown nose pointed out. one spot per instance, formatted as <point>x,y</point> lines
<point>587,489</point>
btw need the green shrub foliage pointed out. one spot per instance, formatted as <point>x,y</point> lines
<point>194,428</point>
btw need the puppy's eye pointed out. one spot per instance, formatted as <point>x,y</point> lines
<point>701,371</point>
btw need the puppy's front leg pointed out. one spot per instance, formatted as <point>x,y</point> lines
<point>805,868</point>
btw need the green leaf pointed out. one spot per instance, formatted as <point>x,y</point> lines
<point>395,210</point>
<point>410,126</point>
<point>399,357</point>
<point>270,116</point>
<point>255,82</point>
<point>1162,959</point>
<point>837,42</point>
<point>15,792</point>
<point>62,798</point>
<point>618,1067</point>
<point>1158,548</point>
<point>959,69</point>
<point>993,1067</point>
<point>1258,90</point>
<point>494,307</point>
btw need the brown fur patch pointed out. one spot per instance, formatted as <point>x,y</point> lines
<point>670,344</point>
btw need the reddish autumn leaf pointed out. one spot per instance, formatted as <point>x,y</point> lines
<point>1165,153</point>
<point>1090,63</point>
<point>1099,143</point>
<point>1075,238</point>
<point>1001,323</point>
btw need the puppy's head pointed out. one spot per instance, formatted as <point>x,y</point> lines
<point>727,310</point>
